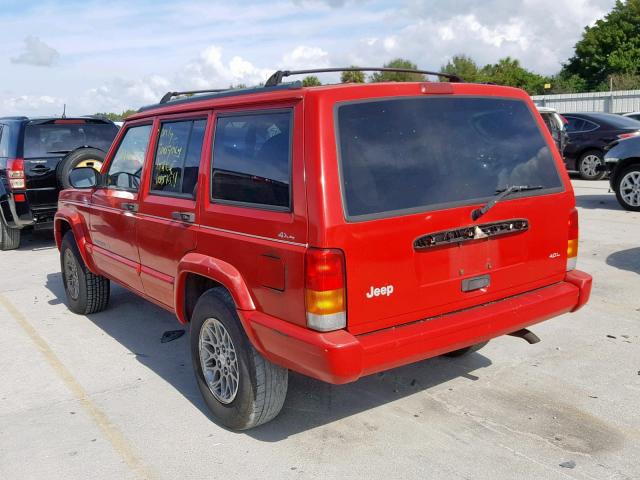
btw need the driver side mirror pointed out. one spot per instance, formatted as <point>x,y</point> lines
<point>84,177</point>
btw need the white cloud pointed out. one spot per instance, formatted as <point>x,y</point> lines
<point>303,57</point>
<point>31,104</point>
<point>36,53</point>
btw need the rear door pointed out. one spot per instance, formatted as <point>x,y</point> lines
<point>167,220</point>
<point>115,206</point>
<point>413,169</point>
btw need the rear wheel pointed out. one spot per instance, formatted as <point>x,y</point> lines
<point>589,165</point>
<point>86,292</point>
<point>241,388</point>
<point>9,237</point>
<point>466,350</point>
<point>82,157</point>
<point>627,188</point>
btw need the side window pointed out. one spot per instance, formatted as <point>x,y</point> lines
<point>574,124</point>
<point>252,159</point>
<point>589,126</point>
<point>126,167</point>
<point>177,160</point>
<point>4,141</point>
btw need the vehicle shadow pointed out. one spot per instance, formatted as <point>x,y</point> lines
<point>626,260</point>
<point>603,201</point>
<point>138,325</point>
<point>37,240</point>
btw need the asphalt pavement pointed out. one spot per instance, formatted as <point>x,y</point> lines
<point>100,397</point>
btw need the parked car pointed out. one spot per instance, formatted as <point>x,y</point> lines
<point>556,125</point>
<point>589,133</point>
<point>336,231</point>
<point>633,115</point>
<point>622,161</point>
<point>36,156</point>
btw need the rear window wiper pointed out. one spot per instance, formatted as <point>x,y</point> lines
<point>502,193</point>
<point>58,151</point>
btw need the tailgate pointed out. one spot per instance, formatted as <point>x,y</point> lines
<point>412,170</point>
<point>42,181</point>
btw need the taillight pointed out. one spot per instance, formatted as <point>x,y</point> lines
<point>572,243</point>
<point>15,173</point>
<point>622,136</point>
<point>325,296</point>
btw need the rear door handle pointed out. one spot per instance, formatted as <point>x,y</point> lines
<point>188,217</point>
<point>129,207</point>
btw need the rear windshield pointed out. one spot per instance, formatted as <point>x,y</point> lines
<point>408,155</point>
<point>51,140</point>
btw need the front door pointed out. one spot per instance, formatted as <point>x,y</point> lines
<point>114,210</point>
<point>167,218</point>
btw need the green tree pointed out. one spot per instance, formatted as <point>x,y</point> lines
<point>398,76</point>
<point>116,117</point>
<point>508,71</point>
<point>352,77</point>
<point>464,67</point>
<point>610,47</point>
<point>311,81</point>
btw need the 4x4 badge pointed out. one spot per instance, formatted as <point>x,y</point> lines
<point>285,236</point>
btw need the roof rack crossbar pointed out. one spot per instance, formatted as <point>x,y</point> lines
<point>277,77</point>
<point>169,95</point>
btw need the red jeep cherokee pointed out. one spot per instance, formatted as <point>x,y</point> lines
<point>336,231</point>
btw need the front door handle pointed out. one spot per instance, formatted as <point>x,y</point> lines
<point>188,217</point>
<point>129,207</point>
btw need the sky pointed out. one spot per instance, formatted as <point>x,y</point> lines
<point>113,55</point>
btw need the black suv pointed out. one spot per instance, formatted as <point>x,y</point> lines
<point>36,156</point>
<point>589,134</point>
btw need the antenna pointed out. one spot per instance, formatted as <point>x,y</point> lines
<point>64,110</point>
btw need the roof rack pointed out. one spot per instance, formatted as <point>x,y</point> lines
<point>277,77</point>
<point>169,95</point>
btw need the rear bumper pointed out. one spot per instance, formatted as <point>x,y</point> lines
<point>340,357</point>
<point>20,214</point>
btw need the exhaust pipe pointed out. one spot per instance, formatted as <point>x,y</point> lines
<point>526,335</point>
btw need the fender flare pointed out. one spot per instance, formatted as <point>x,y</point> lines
<point>5,207</point>
<point>219,271</point>
<point>80,232</point>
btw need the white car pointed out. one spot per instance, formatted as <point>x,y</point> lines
<point>556,125</point>
<point>634,115</point>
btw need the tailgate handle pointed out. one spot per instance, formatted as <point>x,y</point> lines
<point>188,217</point>
<point>476,283</point>
<point>40,169</point>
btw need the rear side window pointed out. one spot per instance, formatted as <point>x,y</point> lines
<point>125,169</point>
<point>177,160</point>
<point>252,159</point>
<point>416,154</point>
<point>4,141</point>
<point>54,140</point>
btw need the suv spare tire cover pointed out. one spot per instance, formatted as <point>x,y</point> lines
<point>89,157</point>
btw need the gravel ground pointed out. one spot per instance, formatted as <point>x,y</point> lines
<point>100,397</point>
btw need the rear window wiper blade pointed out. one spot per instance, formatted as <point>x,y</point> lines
<point>502,193</point>
<point>58,151</point>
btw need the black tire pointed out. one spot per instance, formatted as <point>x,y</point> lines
<point>261,386</point>
<point>9,237</point>
<point>93,290</point>
<point>631,169</point>
<point>585,165</point>
<point>466,350</point>
<point>70,162</point>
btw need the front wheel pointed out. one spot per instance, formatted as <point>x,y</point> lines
<point>86,292</point>
<point>241,388</point>
<point>627,188</point>
<point>590,165</point>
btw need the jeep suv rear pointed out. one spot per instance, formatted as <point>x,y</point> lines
<point>36,156</point>
<point>336,231</point>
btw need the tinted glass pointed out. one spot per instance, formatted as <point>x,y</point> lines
<point>126,167</point>
<point>51,140</point>
<point>251,159</point>
<point>177,160</point>
<point>423,154</point>
<point>574,124</point>
<point>4,141</point>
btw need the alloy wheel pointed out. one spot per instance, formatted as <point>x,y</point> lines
<point>589,165</point>
<point>630,188</point>
<point>71,275</point>
<point>219,360</point>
